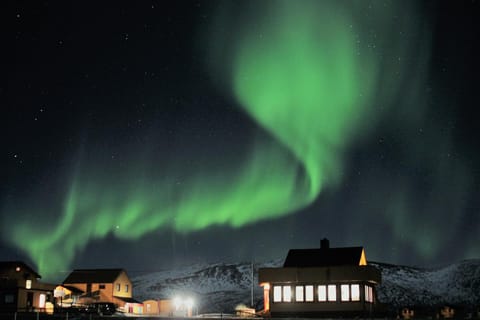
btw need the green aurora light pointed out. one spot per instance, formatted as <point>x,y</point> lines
<point>305,73</point>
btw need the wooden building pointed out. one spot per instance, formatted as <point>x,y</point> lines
<point>100,285</point>
<point>21,290</point>
<point>321,282</point>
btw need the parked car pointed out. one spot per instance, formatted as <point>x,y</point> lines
<point>101,308</point>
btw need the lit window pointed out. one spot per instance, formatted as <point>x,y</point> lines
<point>126,288</point>
<point>332,292</point>
<point>322,293</point>
<point>355,292</point>
<point>299,293</point>
<point>118,286</point>
<point>368,294</point>
<point>287,294</point>
<point>28,284</point>
<point>309,293</point>
<point>41,301</point>
<point>345,292</point>
<point>277,293</point>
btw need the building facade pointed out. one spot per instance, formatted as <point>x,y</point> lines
<point>324,281</point>
<point>21,290</point>
<point>85,286</point>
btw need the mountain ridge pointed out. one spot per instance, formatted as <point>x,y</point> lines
<point>219,287</point>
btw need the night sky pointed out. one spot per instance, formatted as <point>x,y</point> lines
<point>148,135</point>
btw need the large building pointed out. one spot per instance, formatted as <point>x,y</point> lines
<point>322,281</point>
<point>21,290</point>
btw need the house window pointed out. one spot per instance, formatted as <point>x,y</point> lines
<point>277,293</point>
<point>9,298</point>
<point>332,292</point>
<point>345,292</point>
<point>126,288</point>
<point>102,286</point>
<point>355,292</point>
<point>287,294</point>
<point>41,301</point>
<point>322,293</point>
<point>28,284</point>
<point>309,293</point>
<point>118,286</point>
<point>299,293</point>
<point>368,294</point>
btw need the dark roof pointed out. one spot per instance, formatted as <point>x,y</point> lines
<point>129,300</point>
<point>93,276</point>
<point>7,266</point>
<point>323,257</point>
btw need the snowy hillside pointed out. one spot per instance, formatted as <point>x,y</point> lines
<point>215,288</point>
<point>220,287</point>
<point>457,284</point>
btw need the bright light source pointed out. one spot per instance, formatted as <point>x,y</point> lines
<point>177,302</point>
<point>189,303</point>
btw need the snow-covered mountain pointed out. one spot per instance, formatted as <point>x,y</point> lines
<point>457,284</point>
<point>220,287</point>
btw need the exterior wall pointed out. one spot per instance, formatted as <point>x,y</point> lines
<point>150,307</point>
<point>320,275</point>
<point>111,292</point>
<point>363,276</point>
<point>119,286</point>
<point>26,296</point>
<point>348,307</point>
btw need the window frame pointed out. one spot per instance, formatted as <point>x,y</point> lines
<point>329,293</point>
<point>322,288</point>
<point>299,293</point>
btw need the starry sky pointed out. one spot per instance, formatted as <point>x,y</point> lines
<point>147,135</point>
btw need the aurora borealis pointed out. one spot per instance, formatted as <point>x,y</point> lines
<point>235,131</point>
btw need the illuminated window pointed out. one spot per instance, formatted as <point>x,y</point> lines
<point>118,286</point>
<point>277,294</point>
<point>299,293</point>
<point>368,294</point>
<point>309,293</point>
<point>355,292</point>
<point>28,284</point>
<point>287,294</point>
<point>345,292</point>
<point>41,301</point>
<point>322,293</point>
<point>332,292</point>
<point>126,288</point>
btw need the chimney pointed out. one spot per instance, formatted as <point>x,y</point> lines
<point>324,244</point>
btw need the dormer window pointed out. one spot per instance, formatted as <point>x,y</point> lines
<point>28,284</point>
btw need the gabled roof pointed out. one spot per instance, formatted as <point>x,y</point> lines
<point>324,257</point>
<point>11,266</point>
<point>93,276</point>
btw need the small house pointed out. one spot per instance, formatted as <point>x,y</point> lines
<point>100,285</point>
<point>321,282</point>
<point>21,290</point>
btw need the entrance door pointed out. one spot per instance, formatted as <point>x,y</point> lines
<point>29,301</point>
